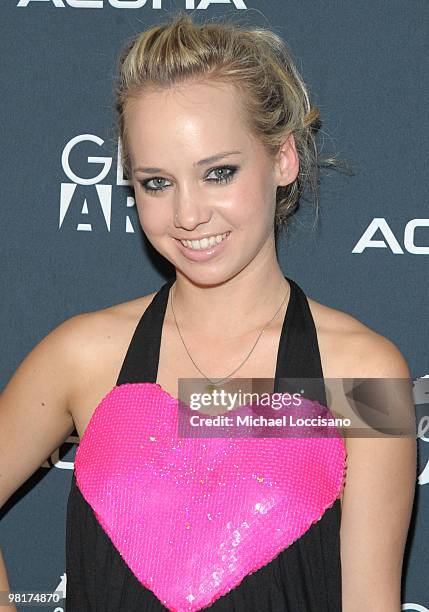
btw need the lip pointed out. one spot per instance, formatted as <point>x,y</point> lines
<point>202,254</point>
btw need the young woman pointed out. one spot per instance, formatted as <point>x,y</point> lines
<point>218,135</point>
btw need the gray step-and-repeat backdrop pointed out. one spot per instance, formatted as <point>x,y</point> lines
<point>70,237</point>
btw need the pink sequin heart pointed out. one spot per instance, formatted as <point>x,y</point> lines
<point>191,517</point>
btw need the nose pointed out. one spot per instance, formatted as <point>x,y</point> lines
<point>190,210</point>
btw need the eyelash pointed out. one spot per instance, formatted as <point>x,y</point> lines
<point>221,179</point>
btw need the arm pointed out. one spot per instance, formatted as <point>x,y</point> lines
<point>34,407</point>
<point>4,585</point>
<point>378,496</point>
<point>34,412</point>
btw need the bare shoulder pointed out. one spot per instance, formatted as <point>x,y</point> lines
<point>371,545</point>
<point>57,386</point>
<point>351,349</point>
<point>99,341</point>
<point>104,332</point>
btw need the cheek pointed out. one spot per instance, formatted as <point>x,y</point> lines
<point>253,202</point>
<point>152,215</point>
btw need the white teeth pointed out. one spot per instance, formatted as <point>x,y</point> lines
<point>205,242</point>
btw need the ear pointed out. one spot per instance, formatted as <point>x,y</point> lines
<point>287,162</point>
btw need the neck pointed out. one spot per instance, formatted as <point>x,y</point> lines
<point>235,307</point>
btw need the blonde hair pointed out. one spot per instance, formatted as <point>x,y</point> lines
<point>254,59</point>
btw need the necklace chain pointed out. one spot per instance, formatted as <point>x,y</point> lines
<point>217,382</point>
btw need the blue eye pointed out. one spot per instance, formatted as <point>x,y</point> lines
<point>224,178</point>
<point>145,184</point>
<point>221,177</point>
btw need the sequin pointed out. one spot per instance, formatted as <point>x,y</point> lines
<point>192,517</point>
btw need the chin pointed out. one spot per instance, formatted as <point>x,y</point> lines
<point>202,278</point>
<point>208,277</point>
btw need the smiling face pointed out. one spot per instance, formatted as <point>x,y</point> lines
<point>181,194</point>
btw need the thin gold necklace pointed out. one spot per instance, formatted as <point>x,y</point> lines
<point>214,383</point>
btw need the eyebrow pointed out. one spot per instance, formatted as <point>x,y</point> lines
<point>202,162</point>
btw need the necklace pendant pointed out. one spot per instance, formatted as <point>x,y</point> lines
<point>210,388</point>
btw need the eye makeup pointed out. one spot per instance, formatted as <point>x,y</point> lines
<point>223,178</point>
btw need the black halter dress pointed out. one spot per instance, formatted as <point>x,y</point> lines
<point>304,577</point>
